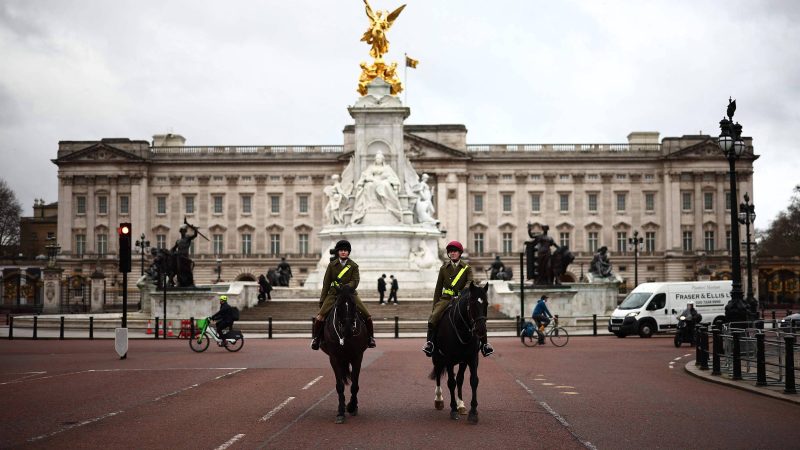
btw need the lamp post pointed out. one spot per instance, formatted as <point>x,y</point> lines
<point>52,252</point>
<point>142,244</point>
<point>636,243</point>
<point>732,145</point>
<point>747,215</point>
<point>219,270</point>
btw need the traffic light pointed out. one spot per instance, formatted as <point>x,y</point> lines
<point>124,231</point>
<point>532,267</point>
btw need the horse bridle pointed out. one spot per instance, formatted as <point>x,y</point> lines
<point>336,329</point>
<point>469,321</point>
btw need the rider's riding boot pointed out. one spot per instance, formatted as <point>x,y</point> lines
<point>486,347</point>
<point>316,333</point>
<point>428,349</point>
<point>368,323</point>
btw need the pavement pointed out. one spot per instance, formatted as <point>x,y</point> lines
<point>774,391</point>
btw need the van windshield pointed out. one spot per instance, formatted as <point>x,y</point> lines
<point>634,300</point>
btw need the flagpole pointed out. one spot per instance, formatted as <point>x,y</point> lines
<point>405,77</point>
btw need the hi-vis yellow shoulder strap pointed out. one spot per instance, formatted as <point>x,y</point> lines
<point>341,274</point>
<point>458,277</point>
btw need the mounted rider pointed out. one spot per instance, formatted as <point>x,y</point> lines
<point>341,271</point>
<point>454,275</point>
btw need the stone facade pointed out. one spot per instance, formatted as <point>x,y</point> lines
<point>257,203</point>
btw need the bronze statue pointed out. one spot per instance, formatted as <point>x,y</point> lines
<point>543,242</point>
<point>379,24</point>
<point>284,272</point>
<point>600,265</point>
<point>559,261</point>
<point>498,270</point>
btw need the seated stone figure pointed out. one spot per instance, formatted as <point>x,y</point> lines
<point>601,266</point>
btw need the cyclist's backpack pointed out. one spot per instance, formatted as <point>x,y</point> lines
<point>234,313</point>
<point>528,331</point>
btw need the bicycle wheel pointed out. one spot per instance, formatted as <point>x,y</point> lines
<point>529,341</point>
<point>234,346</point>
<point>200,342</point>
<point>558,336</point>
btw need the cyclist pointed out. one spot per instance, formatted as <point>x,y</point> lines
<point>224,317</point>
<point>541,315</point>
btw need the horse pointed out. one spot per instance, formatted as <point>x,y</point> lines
<point>344,341</point>
<point>457,342</point>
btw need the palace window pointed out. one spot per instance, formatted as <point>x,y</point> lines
<point>507,203</point>
<point>80,205</point>
<point>216,241</point>
<point>687,241</point>
<point>247,244</point>
<point>727,200</point>
<point>508,243</point>
<point>686,201</point>
<point>708,239</point>
<point>275,204</point>
<point>564,239</point>
<point>592,202</point>
<point>102,244</point>
<point>302,204</point>
<point>621,200</point>
<point>478,203</point>
<point>161,204</point>
<point>536,203</point>
<point>274,244</point>
<point>650,241</point>
<point>124,204</point>
<point>247,204</point>
<point>649,202</point>
<point>189,203</point>
<point>80,245</point>
<point>217,204</point>
<point>728,240</point>
<point>563,202</point>
<point>708,201</point>
<point>478,243</point>
<point>102,204</point>
<point>592,241</point>
<point>536,177</point>
<point>161,241</point>
<point>622,241</point>
<point>302,243</point>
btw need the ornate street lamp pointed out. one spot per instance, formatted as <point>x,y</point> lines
<point>747,216</point>
<point>732,145</point>
<point>142,244</point>
<point>53,250</point>
<point>636,243</point>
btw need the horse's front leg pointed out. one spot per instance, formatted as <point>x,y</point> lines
<point>352,406</point>
<point>462,367</point>
<point>451,384</point>
<point>339,372</point>
<point>473,382</point>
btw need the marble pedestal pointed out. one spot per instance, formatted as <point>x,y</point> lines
<point>409,252</point>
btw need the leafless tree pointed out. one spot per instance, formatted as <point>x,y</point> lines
<point>782,238</point>
<point>10,210</point>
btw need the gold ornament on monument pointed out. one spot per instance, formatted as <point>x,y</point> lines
<point>375,36</point>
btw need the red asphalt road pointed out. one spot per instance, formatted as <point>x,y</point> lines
<point>596,392</point>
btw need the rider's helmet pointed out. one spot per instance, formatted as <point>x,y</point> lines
<point>343,245</point>
<point>690,303</point>
<point>455,245</point>
<point>223,298</point>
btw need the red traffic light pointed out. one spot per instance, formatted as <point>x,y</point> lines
<point>125,229</point>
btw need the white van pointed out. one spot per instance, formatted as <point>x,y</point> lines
<point>654,307</point>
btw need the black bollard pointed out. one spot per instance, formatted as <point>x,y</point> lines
<point>773,318</point>
<point>703,336</point>
<point>519,326</point>
<point>737,356</point>
<point>789,387</point>
<point>191,328</point>
<point>61,329</point>
<point>91,327</point>
<point>10,327</point>
<point>698,352</point>
<point>35,326</point>
<point>156,331</point>
<point>594,324</point>
<point>716,343</point>
<point>396,327</point>
<point>761,366</point>
<point>269,328</point>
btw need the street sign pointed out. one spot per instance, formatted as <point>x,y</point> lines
<point>121,342</point>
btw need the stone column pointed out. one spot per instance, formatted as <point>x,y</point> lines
<point>98,288</point>
<point>52,290</point>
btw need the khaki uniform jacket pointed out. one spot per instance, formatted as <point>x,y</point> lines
<point>446,275</point>
<point>351,278</point>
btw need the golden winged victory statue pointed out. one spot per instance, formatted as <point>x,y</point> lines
<point>375,36</point>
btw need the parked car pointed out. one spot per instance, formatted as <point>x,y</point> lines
<point>790,320</point>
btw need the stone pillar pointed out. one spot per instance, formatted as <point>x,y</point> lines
<point>98,289</point>
<point>52,290</point>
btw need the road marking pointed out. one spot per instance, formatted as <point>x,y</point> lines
<point>311,383</point>
<point>540,379</point>
<point>565,387</point>
<point>688,354</point>
<point>548,384</point>
<point>558,417</point>
<point>230,442</point>
<point>74,425</point>
<point>229,374</point>
<point>275,410</point>
<point>27,375</point>
<point>678,358</point>
<point>120,370</point>
<point>175,393</point>
<point>570,393</point>
<point>296,419</point>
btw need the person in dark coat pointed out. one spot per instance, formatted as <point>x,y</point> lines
<point>224,317</point>
<point>381,288</point>
<point>264,288</point>
<point>393,290</point>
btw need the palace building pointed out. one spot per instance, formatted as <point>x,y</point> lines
<point>255,204</point>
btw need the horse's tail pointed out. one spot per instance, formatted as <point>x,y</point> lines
<point>347,375</point>
<point>436,372</point>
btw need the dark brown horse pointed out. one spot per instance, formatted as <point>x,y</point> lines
<point>344,341</point>
<point>457,342</point>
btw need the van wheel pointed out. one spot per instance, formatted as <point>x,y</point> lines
<point>620,335</point>
<point>646,329</point>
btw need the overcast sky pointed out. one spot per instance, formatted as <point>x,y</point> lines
<point>283,72</point>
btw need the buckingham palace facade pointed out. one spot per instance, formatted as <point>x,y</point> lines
<point>258,203</point>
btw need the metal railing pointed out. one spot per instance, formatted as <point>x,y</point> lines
<point>748,351</point>
<point>194,151</point>
<point>561,148</point>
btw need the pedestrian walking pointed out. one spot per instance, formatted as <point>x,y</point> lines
<point>381,288</point>
<point>392,290</point>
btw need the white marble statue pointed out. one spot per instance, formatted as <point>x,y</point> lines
<point>423,257</point>
<point>337,202</point>
<point>377,188</point>
<point>423,209</point>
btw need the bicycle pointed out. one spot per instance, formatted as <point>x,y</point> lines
<point>558,335</point>
<point>233,342</point>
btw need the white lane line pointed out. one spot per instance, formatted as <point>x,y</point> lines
<point>688,354</point>
<point>175,393</point>
<point>118,370</point>
<point>558,417</point>
<point>74,425</point>
<point>26,375</point>
<point>296,419</point>
<point>275,410</point>
<point>230,442</point>
<point>311,383</point>
<point>678,358</point>
<point>565,387</point>
<point>229,374</point>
